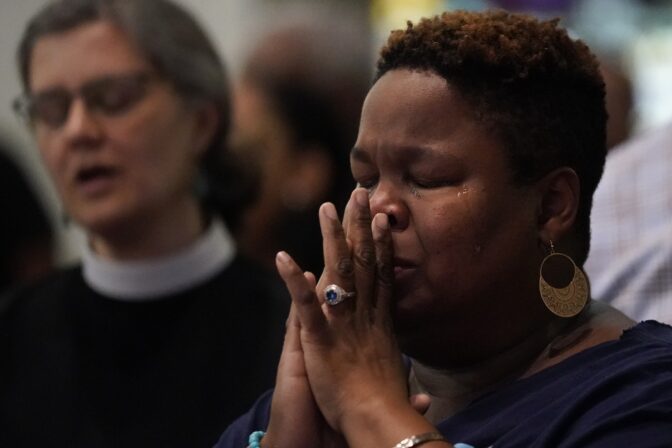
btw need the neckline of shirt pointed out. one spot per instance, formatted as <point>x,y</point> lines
<point>158,278</point>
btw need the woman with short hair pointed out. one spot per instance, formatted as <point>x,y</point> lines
<point>479,148</point>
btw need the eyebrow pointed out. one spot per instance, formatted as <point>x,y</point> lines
<point>410,154</point>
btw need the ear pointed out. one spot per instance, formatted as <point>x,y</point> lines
<point>205,125</point>
<point>310,179</point>
<point>559,204</point>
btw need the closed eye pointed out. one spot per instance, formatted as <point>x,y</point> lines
<point>430,183</point>
<point>369,184</point>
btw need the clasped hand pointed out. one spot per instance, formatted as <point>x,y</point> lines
<point>340,364</point>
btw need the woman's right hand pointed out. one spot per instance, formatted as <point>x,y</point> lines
<point>296,421</point>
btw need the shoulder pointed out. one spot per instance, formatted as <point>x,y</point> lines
<point>625,381</point>
<point>40,293</point>
<point>651,333</point>
<point>32,312</point>
<point>625,398</point>
<point>614,394</point>
<point>615,341</point>
<point>256,419</point>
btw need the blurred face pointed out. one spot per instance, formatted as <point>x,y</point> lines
<point>464,235</point>
<point>125,148</point>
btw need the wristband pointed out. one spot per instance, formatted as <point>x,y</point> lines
<point>254,440</point>
<point>419,439</point>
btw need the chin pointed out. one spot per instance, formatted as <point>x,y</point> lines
<point>407,316</point>
<point>102,219</point>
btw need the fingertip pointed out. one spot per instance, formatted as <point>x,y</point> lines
<point>311,278</point>
<point>420,402</point>
<point>361,196</point>
<point>329,211</point>
<point>286,265</point>
<point>381,221</point>
<point>282,257</point>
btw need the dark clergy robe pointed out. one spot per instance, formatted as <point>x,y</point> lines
<point>78,369</point>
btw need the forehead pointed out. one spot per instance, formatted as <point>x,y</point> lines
<point>418,109</point>
<point>87,51</point>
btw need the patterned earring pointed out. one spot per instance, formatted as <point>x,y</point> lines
<point>562,285</point>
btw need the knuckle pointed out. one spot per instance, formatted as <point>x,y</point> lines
<point>366,256</point>
<point>385,272</point>
<point>305,296</point>
<point>344,267</point>
<point>363,220</point>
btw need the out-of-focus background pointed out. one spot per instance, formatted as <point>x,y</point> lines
<point>633,39</point>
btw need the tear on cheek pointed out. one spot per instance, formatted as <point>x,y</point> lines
<point>463,192</point>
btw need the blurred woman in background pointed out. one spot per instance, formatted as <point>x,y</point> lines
<point>148,343</point>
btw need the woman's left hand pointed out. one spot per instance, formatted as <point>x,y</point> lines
<point>353,363</point>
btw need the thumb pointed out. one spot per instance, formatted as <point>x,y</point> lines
<point>420,402</point>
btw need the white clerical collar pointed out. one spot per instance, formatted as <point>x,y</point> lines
<point>153,279</point>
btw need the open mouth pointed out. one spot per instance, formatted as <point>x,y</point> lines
<point>95,180</point>
<point>91,174</point>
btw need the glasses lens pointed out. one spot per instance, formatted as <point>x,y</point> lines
<point>50,108</point>
<point>115,95</point>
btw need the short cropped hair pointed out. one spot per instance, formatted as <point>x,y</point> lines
<point>539,91</point>
<point>180,51</point>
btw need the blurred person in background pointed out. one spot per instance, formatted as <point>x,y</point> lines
<point>296,111</point>
<point>164,334</point>
<point>26,236</point>
<point>619,101</point>
<point>630,261</point>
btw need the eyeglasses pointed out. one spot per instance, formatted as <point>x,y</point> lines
<point>108,95</point>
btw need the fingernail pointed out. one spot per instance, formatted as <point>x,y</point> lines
<point>329,210</point>
<point>282,256</point>
<point>362,197</point>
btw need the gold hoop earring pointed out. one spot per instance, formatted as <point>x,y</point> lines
<point>562,295</point>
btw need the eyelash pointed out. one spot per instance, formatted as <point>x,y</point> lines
<point>424,185</point>
<point>414,185</point>
<point>369,186</point>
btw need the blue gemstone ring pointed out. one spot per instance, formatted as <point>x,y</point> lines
<point>334,294</point>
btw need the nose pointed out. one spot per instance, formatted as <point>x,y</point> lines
<point>81,127</point>
<point>386,198</point>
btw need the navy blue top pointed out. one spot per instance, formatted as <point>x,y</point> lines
<point>616,394</point>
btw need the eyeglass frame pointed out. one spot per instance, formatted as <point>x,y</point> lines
<point>89,92</point>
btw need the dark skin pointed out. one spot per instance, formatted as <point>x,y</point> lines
<point>428,246</point>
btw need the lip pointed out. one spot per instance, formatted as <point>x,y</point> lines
<point>95,180</point>
<point>403,268</point>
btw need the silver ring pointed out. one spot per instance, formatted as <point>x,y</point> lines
<point>334,294</point>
